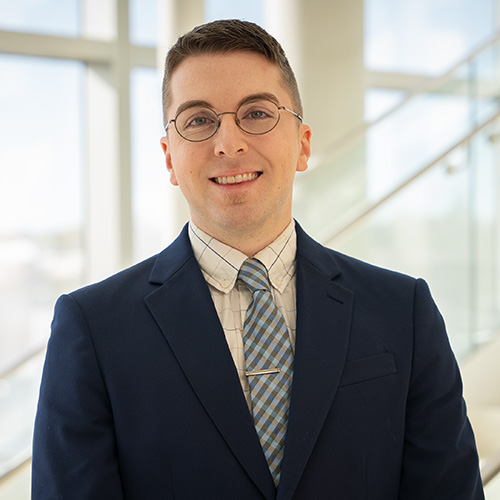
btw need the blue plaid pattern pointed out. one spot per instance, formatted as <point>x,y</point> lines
<point>267,349</point>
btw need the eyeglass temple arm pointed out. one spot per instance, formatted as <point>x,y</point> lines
<point>290,111</point>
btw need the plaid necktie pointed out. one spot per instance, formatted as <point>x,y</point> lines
<point>269,364</point>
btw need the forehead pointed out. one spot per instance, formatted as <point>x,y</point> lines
<point>223,80</point>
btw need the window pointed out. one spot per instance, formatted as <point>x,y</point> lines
<point>53,17</point>
<point>41,197</point>
<point>424,36</point>
<point>150,185</point>
<point>235,9</point>
<point>144,22</point>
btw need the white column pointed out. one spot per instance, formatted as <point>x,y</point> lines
<point>122,68</point>
<point>108,228</point>
<point>324,43</point>
<point>102,235</point>
<point>176,17</point>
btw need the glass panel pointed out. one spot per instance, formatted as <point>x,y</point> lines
<point>41,228</point>
<point>144,22</point>
<point>423,231</point>
<point>484,193</point>
<point>363,170</point>
<point>150,184</point>
<point>41,197</point>
<point>445,225</point>
<point>50,17</point>
<point>424,36</point>
<point>18,399</point>
<point>235,9</point>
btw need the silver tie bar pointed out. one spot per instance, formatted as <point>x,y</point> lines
<point>262,372</point>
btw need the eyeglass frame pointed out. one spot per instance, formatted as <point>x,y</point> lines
<point>235,113</point>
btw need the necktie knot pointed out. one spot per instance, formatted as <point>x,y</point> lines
<point>254,274</point>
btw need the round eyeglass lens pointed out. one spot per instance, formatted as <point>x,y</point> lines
<point>197,123</point>
<point>258,117</point>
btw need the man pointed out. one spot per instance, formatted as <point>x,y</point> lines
<point>153,387</point>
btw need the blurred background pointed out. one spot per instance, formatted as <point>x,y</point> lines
<point>404,100</point>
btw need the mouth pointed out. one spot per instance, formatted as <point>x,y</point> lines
<point>236,179</point>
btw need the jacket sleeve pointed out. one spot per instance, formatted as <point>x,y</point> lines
<point>440,458</point>
<point>74,449</point>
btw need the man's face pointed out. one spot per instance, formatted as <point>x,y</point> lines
<point>235,183</point>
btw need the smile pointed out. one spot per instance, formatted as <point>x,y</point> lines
<point>236,179</point>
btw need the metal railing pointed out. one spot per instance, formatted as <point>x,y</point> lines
<point>378,182</point>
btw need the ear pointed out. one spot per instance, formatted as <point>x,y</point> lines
<point>305,134</point>
<point>168,160</point>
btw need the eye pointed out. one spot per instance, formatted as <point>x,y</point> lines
<point>198,118</point>
<point>199,121</point>
<point>258,114</point>
<point>258,111</point>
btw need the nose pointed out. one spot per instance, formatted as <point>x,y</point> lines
<point>230,140</point>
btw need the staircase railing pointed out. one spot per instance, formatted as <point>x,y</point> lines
<point>418,191</point>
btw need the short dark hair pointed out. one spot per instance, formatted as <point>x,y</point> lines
<point>229,35</point>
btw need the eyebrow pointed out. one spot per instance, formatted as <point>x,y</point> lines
<point>249,98</point>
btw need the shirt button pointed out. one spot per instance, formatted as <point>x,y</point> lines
<point>225,283</point>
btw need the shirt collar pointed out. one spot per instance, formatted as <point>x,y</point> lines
<point>221,263</point>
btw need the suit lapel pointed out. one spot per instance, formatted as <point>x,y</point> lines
<point>184,310</point>
<point>323,323</point>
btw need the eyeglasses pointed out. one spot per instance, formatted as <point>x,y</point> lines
<point>256,117</point>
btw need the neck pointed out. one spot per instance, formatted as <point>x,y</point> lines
<point>248,242</point>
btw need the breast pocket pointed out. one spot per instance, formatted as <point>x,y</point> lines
<point>364,369</point>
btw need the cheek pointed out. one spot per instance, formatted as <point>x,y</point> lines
<point>177,160</point>
<point>184,176</point>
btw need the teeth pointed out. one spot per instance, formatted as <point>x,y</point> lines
<point>235,179</point>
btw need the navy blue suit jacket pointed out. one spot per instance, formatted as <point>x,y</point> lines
<point>140,399</point>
